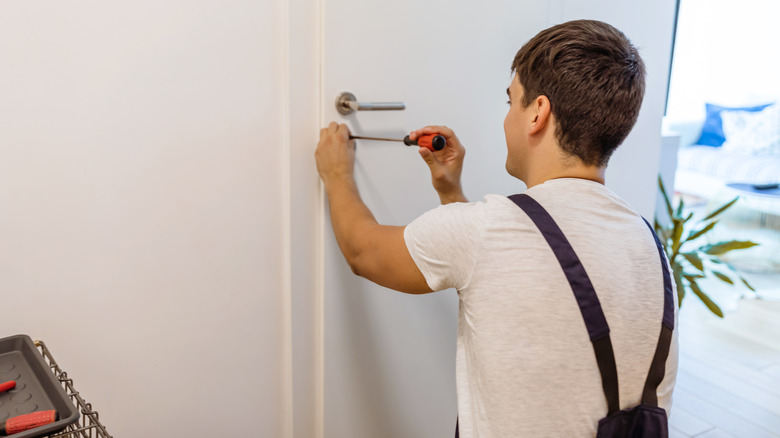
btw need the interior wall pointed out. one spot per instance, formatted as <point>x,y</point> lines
<point>141,216</point>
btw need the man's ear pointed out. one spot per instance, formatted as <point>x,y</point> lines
<point>541,106</point>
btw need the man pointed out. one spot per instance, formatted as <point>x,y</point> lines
<point>525,363</point>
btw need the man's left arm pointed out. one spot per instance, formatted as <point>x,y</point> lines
<point>373,251</point>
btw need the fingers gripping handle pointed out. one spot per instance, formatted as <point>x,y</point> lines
<point>428,141</point>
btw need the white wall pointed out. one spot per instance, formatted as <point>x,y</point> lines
<point>726,53</point>
<point>142,224</point>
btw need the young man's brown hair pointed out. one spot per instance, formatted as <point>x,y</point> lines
<point>595,82</point>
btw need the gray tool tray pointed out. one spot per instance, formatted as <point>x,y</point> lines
<point>41,386</point>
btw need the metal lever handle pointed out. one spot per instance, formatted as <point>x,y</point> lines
<point>346,104</point>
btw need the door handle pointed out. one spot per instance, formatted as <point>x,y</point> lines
<point>346,104</point>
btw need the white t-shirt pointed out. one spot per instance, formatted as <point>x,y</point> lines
<point>525,366</point>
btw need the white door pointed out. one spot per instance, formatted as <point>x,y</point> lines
<point>389,358</point>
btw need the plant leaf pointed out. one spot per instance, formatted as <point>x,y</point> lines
<point>679,283</point>
<point>721,209</point>
<point>666,197</point>
<point>677,235</point>
<point>723,277</point>
<point>724,247</point>
<point>695,234</point>
<point>680,207</point>
<point>694,275</point>
<point>714,308</point>
<point>694,259</point>
<point>746,283</point>
<point>660,231</point>
<point>666,234</point>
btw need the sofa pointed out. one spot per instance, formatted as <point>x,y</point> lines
<point>729,145</point>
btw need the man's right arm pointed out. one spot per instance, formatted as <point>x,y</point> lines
<point>445,165</point>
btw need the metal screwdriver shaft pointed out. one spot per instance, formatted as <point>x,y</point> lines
<point>373,138</point>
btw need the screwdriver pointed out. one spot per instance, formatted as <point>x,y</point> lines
<point>433,142</point>
<point>7,386</point>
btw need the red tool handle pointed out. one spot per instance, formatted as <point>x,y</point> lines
<point>433,142</point>
<point>7,386</point>
<point>27,422</point>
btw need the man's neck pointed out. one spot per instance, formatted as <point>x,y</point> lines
<point>540,175</point>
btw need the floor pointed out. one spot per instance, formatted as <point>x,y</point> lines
<point>728,383</point>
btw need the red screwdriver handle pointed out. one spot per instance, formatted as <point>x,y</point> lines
<point>27,421</point>
<point>7,386</point>
<point>433,142</point>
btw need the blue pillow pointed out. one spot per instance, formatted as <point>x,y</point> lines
<point>712,131</point>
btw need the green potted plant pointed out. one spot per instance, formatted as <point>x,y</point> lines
<point>691,261</point>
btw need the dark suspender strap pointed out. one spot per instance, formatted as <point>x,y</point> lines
<point>668,320</point>
<point>588,302</point>
<point>658,366</point>
<point>605,357</point>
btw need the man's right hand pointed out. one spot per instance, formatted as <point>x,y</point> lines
<point>446,165</point>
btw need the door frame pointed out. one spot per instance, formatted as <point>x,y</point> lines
<point>304,216</point>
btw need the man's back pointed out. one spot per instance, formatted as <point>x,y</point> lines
<point>525,365</point>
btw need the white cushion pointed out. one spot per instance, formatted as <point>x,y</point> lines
<point>729,166</point>
<point>752,132</point>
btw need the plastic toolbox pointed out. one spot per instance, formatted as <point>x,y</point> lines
<point>41,385</point>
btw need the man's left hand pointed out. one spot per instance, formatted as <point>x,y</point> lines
<point>335,153</point>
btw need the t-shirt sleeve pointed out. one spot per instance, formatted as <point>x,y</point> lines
<point>445,243</point>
